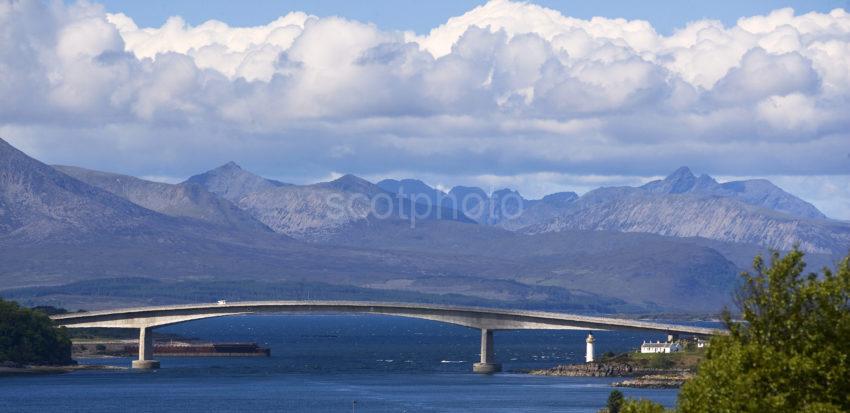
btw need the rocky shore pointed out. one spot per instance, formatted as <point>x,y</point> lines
<point>641,377</point>
<point>656,381</point>
<point>590,370</point>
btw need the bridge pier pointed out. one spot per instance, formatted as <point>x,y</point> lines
<point>145,360</point>
<point>488,363</point>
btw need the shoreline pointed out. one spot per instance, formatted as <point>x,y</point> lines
<point>636,376</point>
<point>656,381</point>
<point>37,370</point>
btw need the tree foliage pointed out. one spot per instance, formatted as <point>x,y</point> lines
<point>791,350</point>
<point>615,401</point>
<point>30,337</point>
<point>642,406</point>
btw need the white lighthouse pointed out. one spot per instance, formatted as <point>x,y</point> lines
<point>589,356</point>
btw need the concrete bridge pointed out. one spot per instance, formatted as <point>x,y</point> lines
<point>487,320</point>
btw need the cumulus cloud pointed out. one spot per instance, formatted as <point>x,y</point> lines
<point>507,92</point>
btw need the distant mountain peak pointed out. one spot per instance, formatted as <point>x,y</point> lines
<point>232,182</point>
<point>764,193</point>
<point>412,188</point>
<point>505,192</point>
<point>705,183</point>
<point>349,178</point>
<point>188,199</point>
<point>757,192</point>
<point>681,180</point>
<point>352,183</point>
<point>681,172</point>
<point>560,197</point>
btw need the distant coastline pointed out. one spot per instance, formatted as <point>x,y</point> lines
<point>12,369</point>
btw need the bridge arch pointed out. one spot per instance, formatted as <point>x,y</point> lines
<point>487,320</point>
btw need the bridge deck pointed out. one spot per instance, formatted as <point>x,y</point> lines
<point>474,317</point>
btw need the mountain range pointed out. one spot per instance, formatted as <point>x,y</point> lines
<point>681,205</point>
<point>83,238</point>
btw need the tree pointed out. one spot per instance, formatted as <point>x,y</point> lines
<point>30,337</point>
<point>642,406</point>
<point>791,350</point>
<point>615,401</point>
<point>49,309</point>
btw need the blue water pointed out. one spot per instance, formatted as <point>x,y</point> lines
<point>339,364</point>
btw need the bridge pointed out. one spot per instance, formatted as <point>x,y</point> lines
<point>487,320</point>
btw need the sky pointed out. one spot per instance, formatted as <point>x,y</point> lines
<point>539,96</point>
<point>421,16</point>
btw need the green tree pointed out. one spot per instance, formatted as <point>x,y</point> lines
<point>642,406</point>
<point>791,350</point>
<point>615,401</point>
<point>661,361</point>
<point>30,337</point>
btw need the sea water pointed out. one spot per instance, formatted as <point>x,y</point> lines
<point>340,363</point>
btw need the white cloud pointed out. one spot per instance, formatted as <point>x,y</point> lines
<point>234,51</point>
<point>762,75</point>
<point>509,90</point>
<point>794,112</point>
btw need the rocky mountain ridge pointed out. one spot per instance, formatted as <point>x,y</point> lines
<point>231,182</point>
<point>716,218</point>
<point>756,192</point>
<point>38,202</point>
<point>65,241</point>
<point>187,199</point>
<point>681,205</point>
<point>64,229</point>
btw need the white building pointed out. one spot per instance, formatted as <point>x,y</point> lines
<point>660,347</point>
<point>588,356</point>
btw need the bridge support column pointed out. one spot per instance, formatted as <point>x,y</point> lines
<point>488,363</point>
<point>145,360</point>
